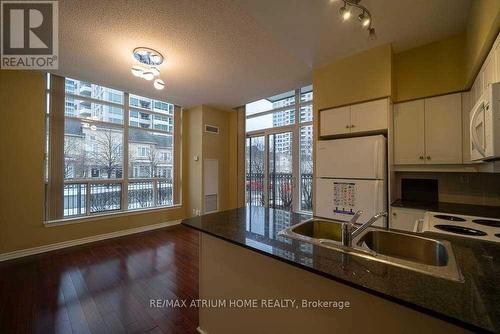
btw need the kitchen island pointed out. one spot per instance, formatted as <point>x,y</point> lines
<point>244,260</point>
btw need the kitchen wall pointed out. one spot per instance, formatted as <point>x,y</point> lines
<point>482,29</point>
<point>432,69</point>
<point>469,188</point>
<point>363,76</point>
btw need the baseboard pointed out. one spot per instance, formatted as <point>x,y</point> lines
<point>76,242</point>
<point>201,331</point>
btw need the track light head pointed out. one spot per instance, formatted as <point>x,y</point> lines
<point>371,34</point>
<point>345,12</point>
<point>364,19</point>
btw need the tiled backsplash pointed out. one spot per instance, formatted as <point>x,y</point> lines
<point>468,188</point>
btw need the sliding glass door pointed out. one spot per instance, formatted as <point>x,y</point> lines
<point>270,171</point>
<point>279,162</point>
<point>280,175</point>
<point>255,167</point>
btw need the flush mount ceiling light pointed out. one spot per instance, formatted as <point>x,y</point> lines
<point>159,84</point>
<point>147,66</point>
<point>365,17</point>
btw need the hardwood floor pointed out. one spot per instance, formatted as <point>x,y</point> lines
<point>104,287</point>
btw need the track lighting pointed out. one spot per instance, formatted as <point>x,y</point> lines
<point>345,12</point>
<point>371,34</point>
<point>365,17</point>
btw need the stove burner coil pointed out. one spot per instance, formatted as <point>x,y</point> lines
<point>460,230</point>
<point>487,222</point>
<point>450,218</point>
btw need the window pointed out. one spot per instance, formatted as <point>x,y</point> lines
<point>280,128</point>
<point>115,158</point>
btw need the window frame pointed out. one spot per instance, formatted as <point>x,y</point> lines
<point>295,129</point>
<point>54,156</point>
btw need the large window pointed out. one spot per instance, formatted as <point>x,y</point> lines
<point>279,146</point>
<point>117,151</point>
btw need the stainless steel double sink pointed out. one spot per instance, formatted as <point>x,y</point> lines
<point>425,255</point>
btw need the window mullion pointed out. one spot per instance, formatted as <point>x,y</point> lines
<point>126,115</point>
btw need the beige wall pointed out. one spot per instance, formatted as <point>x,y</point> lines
<point>432,69</point>
<point>191,125</point>
<point>217,146</point>
<point>482,28</point>
<point>22,138</point>
<point>364,76</point>
<point>222,147</point>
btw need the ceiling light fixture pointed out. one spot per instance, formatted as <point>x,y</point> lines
<point>159,84</point>
<point>147,68</point>
<point>365,17</point>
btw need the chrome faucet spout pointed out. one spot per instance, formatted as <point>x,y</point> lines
<point>350,231</point>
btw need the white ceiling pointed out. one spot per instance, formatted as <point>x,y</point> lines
<point>226,53</point>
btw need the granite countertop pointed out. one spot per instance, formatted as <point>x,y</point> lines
<point>456,208</point>
<point>472,304</point>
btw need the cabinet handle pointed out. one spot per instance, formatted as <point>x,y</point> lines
<point>347,126</point>
<point>352,126</point>
<point>421,157</point>
<point>428,157</point>
<point>394,213</point>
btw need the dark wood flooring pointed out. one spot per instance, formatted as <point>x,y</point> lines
<point>104,287</point>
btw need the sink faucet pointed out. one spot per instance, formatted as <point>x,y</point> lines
<point>350,231</point>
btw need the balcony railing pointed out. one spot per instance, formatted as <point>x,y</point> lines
<point>280,190</point>
<point>107,195</point>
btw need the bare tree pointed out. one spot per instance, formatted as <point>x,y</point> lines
<point>108,156</point>
<point>255,161</point>
<point>306,170</point>
<point>75,156</point>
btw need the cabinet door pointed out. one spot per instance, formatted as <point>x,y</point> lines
<point>409,147</point>
<point>489,71</point>
<point>369,116</point>
<point>335,121</point>
<point>443,129</point>
<point>497,63</point>
<point>466,108</point>
<point>404,219</point>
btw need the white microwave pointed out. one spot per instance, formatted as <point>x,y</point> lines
<point>485,125</point>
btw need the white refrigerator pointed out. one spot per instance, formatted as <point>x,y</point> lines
<point>350,176</point>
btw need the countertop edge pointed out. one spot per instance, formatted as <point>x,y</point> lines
<point>415,307</point>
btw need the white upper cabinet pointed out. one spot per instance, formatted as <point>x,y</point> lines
<point>489,71</point>
<point>335,121</point>
<point>496,55</point>
<point>409,144</point>
<point>369,116</point>
<point>363,117</point>
<point>428,131</point>
<point>443,129</point>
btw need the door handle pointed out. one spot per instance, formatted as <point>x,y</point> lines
<point>473,133</point>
